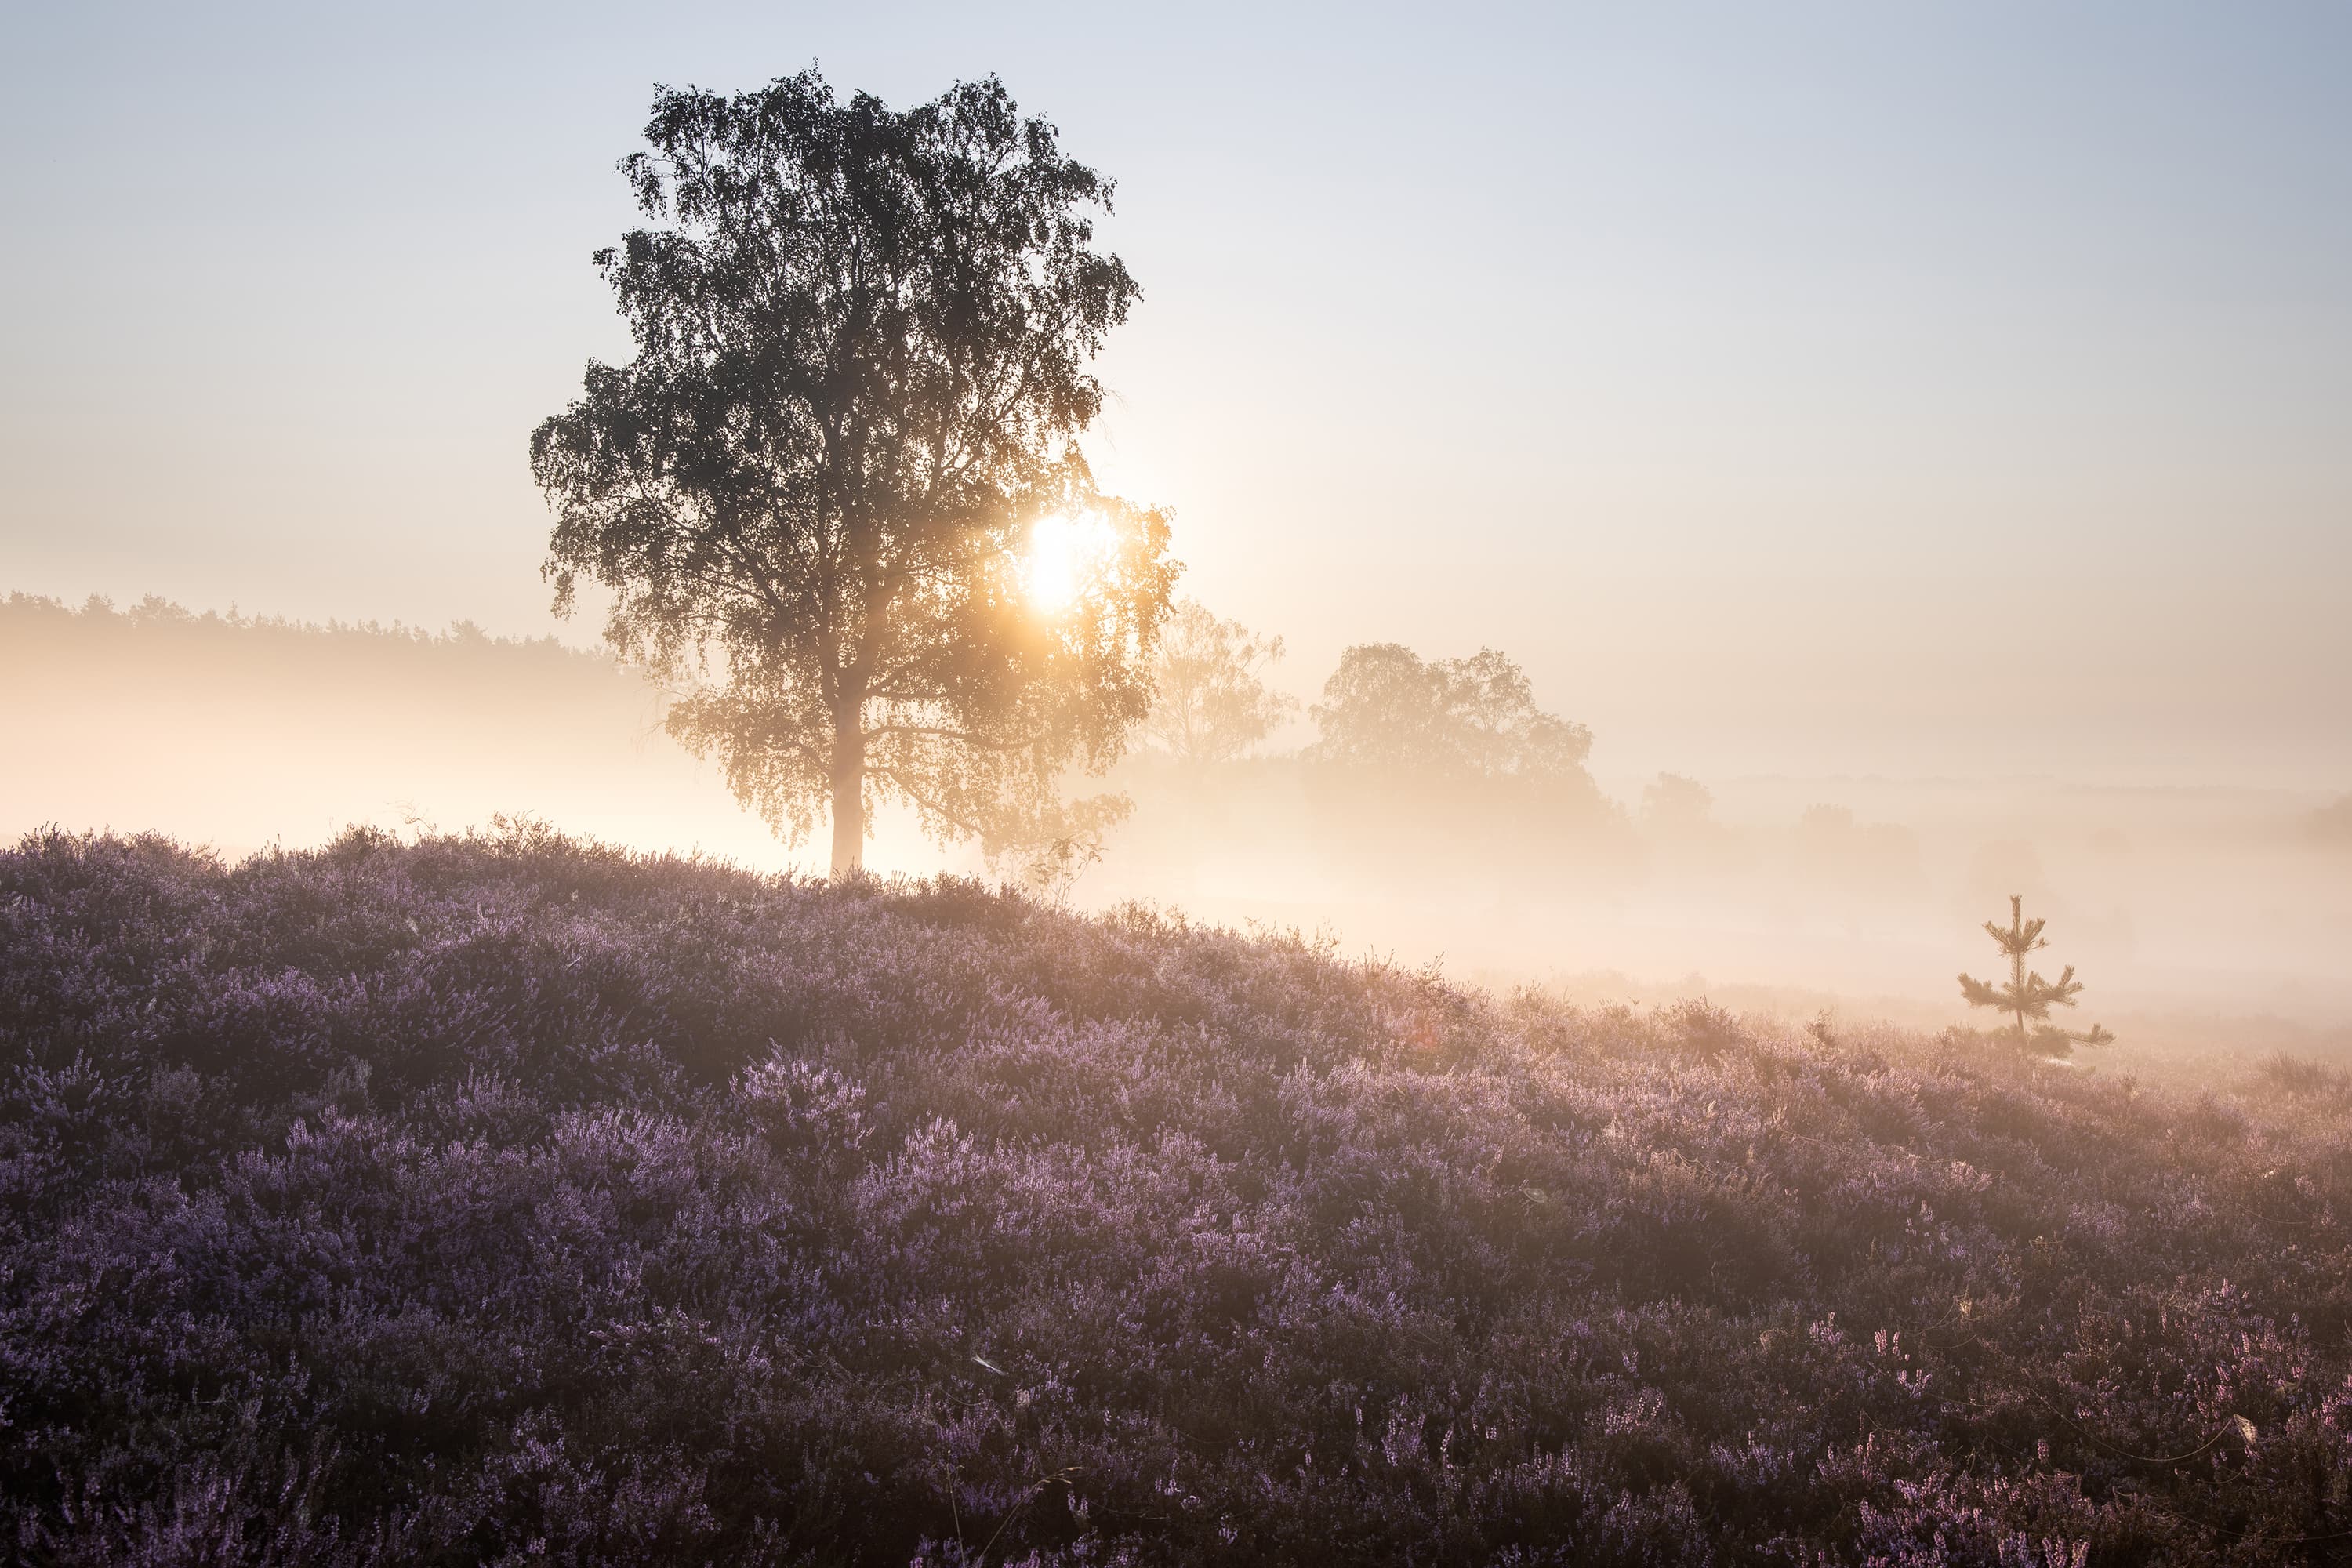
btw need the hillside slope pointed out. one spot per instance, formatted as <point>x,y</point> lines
<point>509,1200</point>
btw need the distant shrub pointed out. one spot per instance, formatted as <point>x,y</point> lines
<point>2293,1075</point>
<point>509,1199</point>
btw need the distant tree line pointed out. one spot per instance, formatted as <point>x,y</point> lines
<point>25,618</point>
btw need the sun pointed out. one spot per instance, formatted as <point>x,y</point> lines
<point>1063,556</point>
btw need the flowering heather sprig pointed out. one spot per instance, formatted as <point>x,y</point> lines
<point>509,1198</point>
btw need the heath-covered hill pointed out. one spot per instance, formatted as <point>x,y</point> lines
<point>506,1200</point>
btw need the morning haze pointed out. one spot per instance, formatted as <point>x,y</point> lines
<point>1057,787</point>
<point>1940,416</point>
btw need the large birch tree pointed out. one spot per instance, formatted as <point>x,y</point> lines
<point>822,490</point>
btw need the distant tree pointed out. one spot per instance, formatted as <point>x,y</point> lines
<point>862,346</point>
<point>1823,824</point>
<point>1675,804</point>
<point>1385,707</point>
<point>2332,824</point>
<point>1208,703</point>
<point>2028,997</point>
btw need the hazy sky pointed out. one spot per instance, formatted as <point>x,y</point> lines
<point>1919,388</point>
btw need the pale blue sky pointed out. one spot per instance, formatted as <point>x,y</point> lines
<point>1765,378</point>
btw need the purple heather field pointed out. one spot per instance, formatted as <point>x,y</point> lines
<point>504,1199</point>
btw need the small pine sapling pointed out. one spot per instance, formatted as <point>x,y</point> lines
<point>2028,997</point>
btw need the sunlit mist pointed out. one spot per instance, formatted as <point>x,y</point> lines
<point>1063,555</point>
<point>1590,799</point>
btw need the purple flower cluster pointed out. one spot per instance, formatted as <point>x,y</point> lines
<point>494,1200</point>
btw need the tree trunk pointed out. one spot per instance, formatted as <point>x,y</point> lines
<point>848,798</point>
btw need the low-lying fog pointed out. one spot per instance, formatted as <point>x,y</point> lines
<point>2199,918</point>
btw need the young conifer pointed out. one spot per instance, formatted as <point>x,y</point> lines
<point>2028,997</point>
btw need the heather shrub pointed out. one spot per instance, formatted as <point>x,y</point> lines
<point>2296,1076</point>
<point>512,1199</point>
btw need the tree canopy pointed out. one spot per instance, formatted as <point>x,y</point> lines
<point>1677,803</point>
<point>861,348</point>
<point>1386,707</point>
<point>1209,703</point>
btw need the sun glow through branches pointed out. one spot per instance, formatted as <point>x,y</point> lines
<point>1064,555</point>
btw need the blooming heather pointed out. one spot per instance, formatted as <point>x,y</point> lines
<point>493,1200</point>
